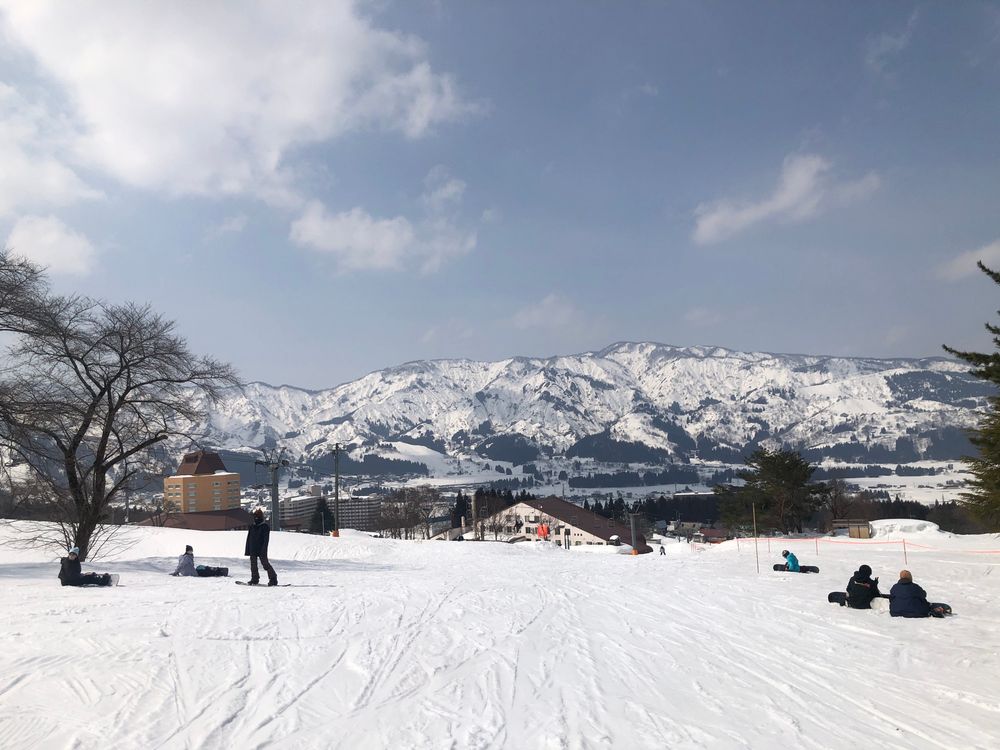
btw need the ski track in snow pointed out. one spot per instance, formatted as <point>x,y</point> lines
<point>445,645</point>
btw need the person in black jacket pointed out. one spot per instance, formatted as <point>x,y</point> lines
<point>907,599</point>
<point>70,575</point>
<point>257,538</point>
<point>862,589</point>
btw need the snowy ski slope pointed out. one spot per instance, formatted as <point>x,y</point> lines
<point>383,644</point>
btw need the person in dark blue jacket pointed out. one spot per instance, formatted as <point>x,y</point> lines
<point>907,599</point>
<point>791,561</point>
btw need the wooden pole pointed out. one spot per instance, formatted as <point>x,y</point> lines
<point>755,553</point>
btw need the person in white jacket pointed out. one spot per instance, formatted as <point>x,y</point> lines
<point>185,563</point>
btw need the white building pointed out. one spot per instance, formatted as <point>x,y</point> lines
<point>556,520</point>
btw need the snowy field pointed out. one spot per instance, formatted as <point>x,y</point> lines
<point>384,644</point>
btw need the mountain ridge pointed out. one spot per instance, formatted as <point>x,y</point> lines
<point>684,402</point>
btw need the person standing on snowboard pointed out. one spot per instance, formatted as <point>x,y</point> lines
<point>256,547</point>
<point>791,561</point>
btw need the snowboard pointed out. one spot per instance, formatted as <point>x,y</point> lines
<point>205,571</point>
<point>802,568</point>
<point>939,609</point>
<point>114,578</point>
<point>837,597</point>
<point>263,585</point>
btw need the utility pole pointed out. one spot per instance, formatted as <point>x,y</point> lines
<point>475,530</point>
<point>274,461</point>
<point>632,521</point>
<point>336,489</point>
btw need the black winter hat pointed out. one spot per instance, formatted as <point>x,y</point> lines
<point>784,553</point>
<point>865,570</point>
<point>189,548</point>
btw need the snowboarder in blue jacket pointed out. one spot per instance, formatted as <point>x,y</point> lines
<point>791,561</point>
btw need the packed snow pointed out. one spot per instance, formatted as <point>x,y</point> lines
<point>391,644</point>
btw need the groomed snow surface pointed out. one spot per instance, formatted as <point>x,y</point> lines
<point>388,644</point>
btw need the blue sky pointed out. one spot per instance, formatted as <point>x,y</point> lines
<point>318,194</point>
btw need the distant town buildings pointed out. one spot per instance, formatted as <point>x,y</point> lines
<point>296,511</point>
<point>201,484</point>
<point>359,513</point>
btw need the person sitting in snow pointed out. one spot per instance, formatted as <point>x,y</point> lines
<point>907,599</point>
<point>185,563</point>
<point>862,589</point>
<point>186,566</point>
<point>70,575</point>
<point>791,561</point>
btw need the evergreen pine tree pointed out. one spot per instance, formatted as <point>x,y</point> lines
<point>983,495</point>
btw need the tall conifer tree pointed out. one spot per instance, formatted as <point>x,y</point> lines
<point>983,495</point>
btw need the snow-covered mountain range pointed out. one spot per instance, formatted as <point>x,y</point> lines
<point>629,402</point>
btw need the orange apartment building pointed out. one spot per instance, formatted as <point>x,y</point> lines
<point>202,483</point>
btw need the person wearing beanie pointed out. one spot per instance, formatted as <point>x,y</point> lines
<point>256,548</point>
<point>185,563</point>
<point>71,575</point>
<point>862,589</point>
<point>907,599</point>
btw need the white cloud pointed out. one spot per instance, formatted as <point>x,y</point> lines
<point>450,330</point>
<point>50,243</point>
<point>441,190</point>
<point>360,241</point>
<point>881,49</point>
<point>804,190</point>
<point>702,316</point>
<point>553,312</point>
<point>33,173</point>
<point>643,89</point>
<point>964,265</point>
<point>203,98</point>
<point>229,225</point>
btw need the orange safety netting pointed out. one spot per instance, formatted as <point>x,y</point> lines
<point>827,540</point>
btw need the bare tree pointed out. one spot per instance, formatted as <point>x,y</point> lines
<point>89,389</point>
<point>409,508</point>
<point>397,516</point>
<point>502,522</point>
<point>838,499</point>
